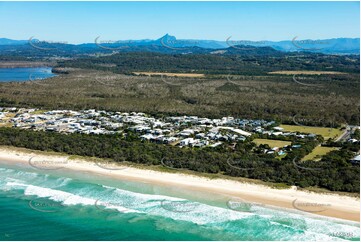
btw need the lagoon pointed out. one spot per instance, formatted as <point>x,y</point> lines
<point>25,74</point>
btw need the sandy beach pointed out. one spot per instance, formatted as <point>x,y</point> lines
<point>331,205</point>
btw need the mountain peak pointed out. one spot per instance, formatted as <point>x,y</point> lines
<point>167,37</point>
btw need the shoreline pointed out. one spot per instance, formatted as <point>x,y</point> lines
<point>329,205</point>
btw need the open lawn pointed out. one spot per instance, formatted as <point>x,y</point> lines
<point>325,132</point>
<point>318,152</point>
<point>272,143</point>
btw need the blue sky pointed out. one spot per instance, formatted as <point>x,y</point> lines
<point>79,22</point>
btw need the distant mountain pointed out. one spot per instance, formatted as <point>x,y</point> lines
<point>326,46</point>
<point>5,41</point>
<point>170,44</point>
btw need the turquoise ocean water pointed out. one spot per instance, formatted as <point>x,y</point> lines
<point>64,205</point>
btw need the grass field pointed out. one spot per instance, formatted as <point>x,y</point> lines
<point>40,111</point>
<point>325,132</point>
<point>318,152</point>
<point>272,143</point>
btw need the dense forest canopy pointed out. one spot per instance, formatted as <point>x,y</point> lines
<point>232,62</point>
<point>334,172</point>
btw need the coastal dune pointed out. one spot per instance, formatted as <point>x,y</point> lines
<point>324,204</point>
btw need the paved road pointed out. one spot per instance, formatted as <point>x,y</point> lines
<point>347,134</point>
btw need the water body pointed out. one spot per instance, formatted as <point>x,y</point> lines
<point>25,74</point>
<point>64,205</point>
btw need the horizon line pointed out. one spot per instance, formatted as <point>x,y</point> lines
<point>147,39</point>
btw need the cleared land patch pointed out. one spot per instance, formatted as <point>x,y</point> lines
<point>272,143</point>
<point>318,152</point>
<point>323,131</point>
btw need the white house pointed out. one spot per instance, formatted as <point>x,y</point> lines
<point>147,137</point>
<point>186,141</point>
<point>216,144</point>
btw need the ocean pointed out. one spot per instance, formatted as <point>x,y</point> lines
<point>25,74</point>
<point>66,205</point>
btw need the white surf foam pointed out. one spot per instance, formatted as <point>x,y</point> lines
<point>316,227</point>
<point>65,198</point>
<point>174,208</point>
